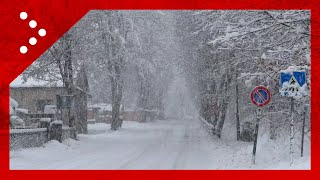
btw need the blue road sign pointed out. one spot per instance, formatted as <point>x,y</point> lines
<point>292,83</point>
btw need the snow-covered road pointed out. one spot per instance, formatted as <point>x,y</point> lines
<point>169,144</point>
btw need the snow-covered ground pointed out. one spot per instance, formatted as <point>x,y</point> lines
<point>168,144</point>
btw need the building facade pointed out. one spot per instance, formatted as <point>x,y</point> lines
<point>35,99</point>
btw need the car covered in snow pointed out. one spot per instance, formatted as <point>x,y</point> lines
<point>50,109</point>
<point>16,122</point>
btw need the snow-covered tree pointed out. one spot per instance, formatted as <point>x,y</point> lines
<point>226,48</point>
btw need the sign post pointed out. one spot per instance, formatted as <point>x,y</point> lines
<point>291,130</point>
<point>293,84</point>
<point>305,108</point>
<point>260,96</point>
<point>258,115</point>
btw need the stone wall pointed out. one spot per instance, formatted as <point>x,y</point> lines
<point>27,138</point>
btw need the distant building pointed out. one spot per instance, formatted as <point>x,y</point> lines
<point>101,112</point>
<point>40,97</point>
<point>35,95</point>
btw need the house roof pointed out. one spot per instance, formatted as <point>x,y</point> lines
<point>30,82</point>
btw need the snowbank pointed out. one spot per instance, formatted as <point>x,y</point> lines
<point>97,128</point>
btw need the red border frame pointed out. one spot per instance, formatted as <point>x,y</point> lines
<point>260,88</point>
<point>57,16</point>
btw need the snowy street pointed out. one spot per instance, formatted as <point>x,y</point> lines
<point>168,144</point>
<point>174,89</point>
<point>159,145</point>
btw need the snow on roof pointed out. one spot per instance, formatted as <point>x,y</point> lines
<point>19,82</point>
<point>25,111</point>
<point>15,131</point>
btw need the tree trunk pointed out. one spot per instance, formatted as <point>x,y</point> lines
<point>222,119</point>
<point>68,73</point>
<point>68,65</point>
<point>224,105</point>
<point>116,87</point>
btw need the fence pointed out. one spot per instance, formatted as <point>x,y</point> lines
<point>27,138</point>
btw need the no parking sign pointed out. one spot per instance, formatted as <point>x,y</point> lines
<point>260,96</point>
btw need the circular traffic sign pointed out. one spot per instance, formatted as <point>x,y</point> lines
<point>260,96</point>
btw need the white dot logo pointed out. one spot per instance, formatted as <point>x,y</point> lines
<point>42,32</point>
<point>23,15</point>
<point>33,24</point>
<point>33,41</point>
<point>23,49</point>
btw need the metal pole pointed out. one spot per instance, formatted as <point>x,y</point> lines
<point>237,112</point>
<point>255,140</point>
<point>291,131</point>
<point>302,135</point>
<point>68,116</point>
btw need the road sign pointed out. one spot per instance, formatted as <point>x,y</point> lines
<point>260,96</point>
<point>293,83</point>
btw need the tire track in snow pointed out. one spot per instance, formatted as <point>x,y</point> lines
<point>139,156</point>
<point>193,153</point>
<point>181,157</point>
<point>136,156</point>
